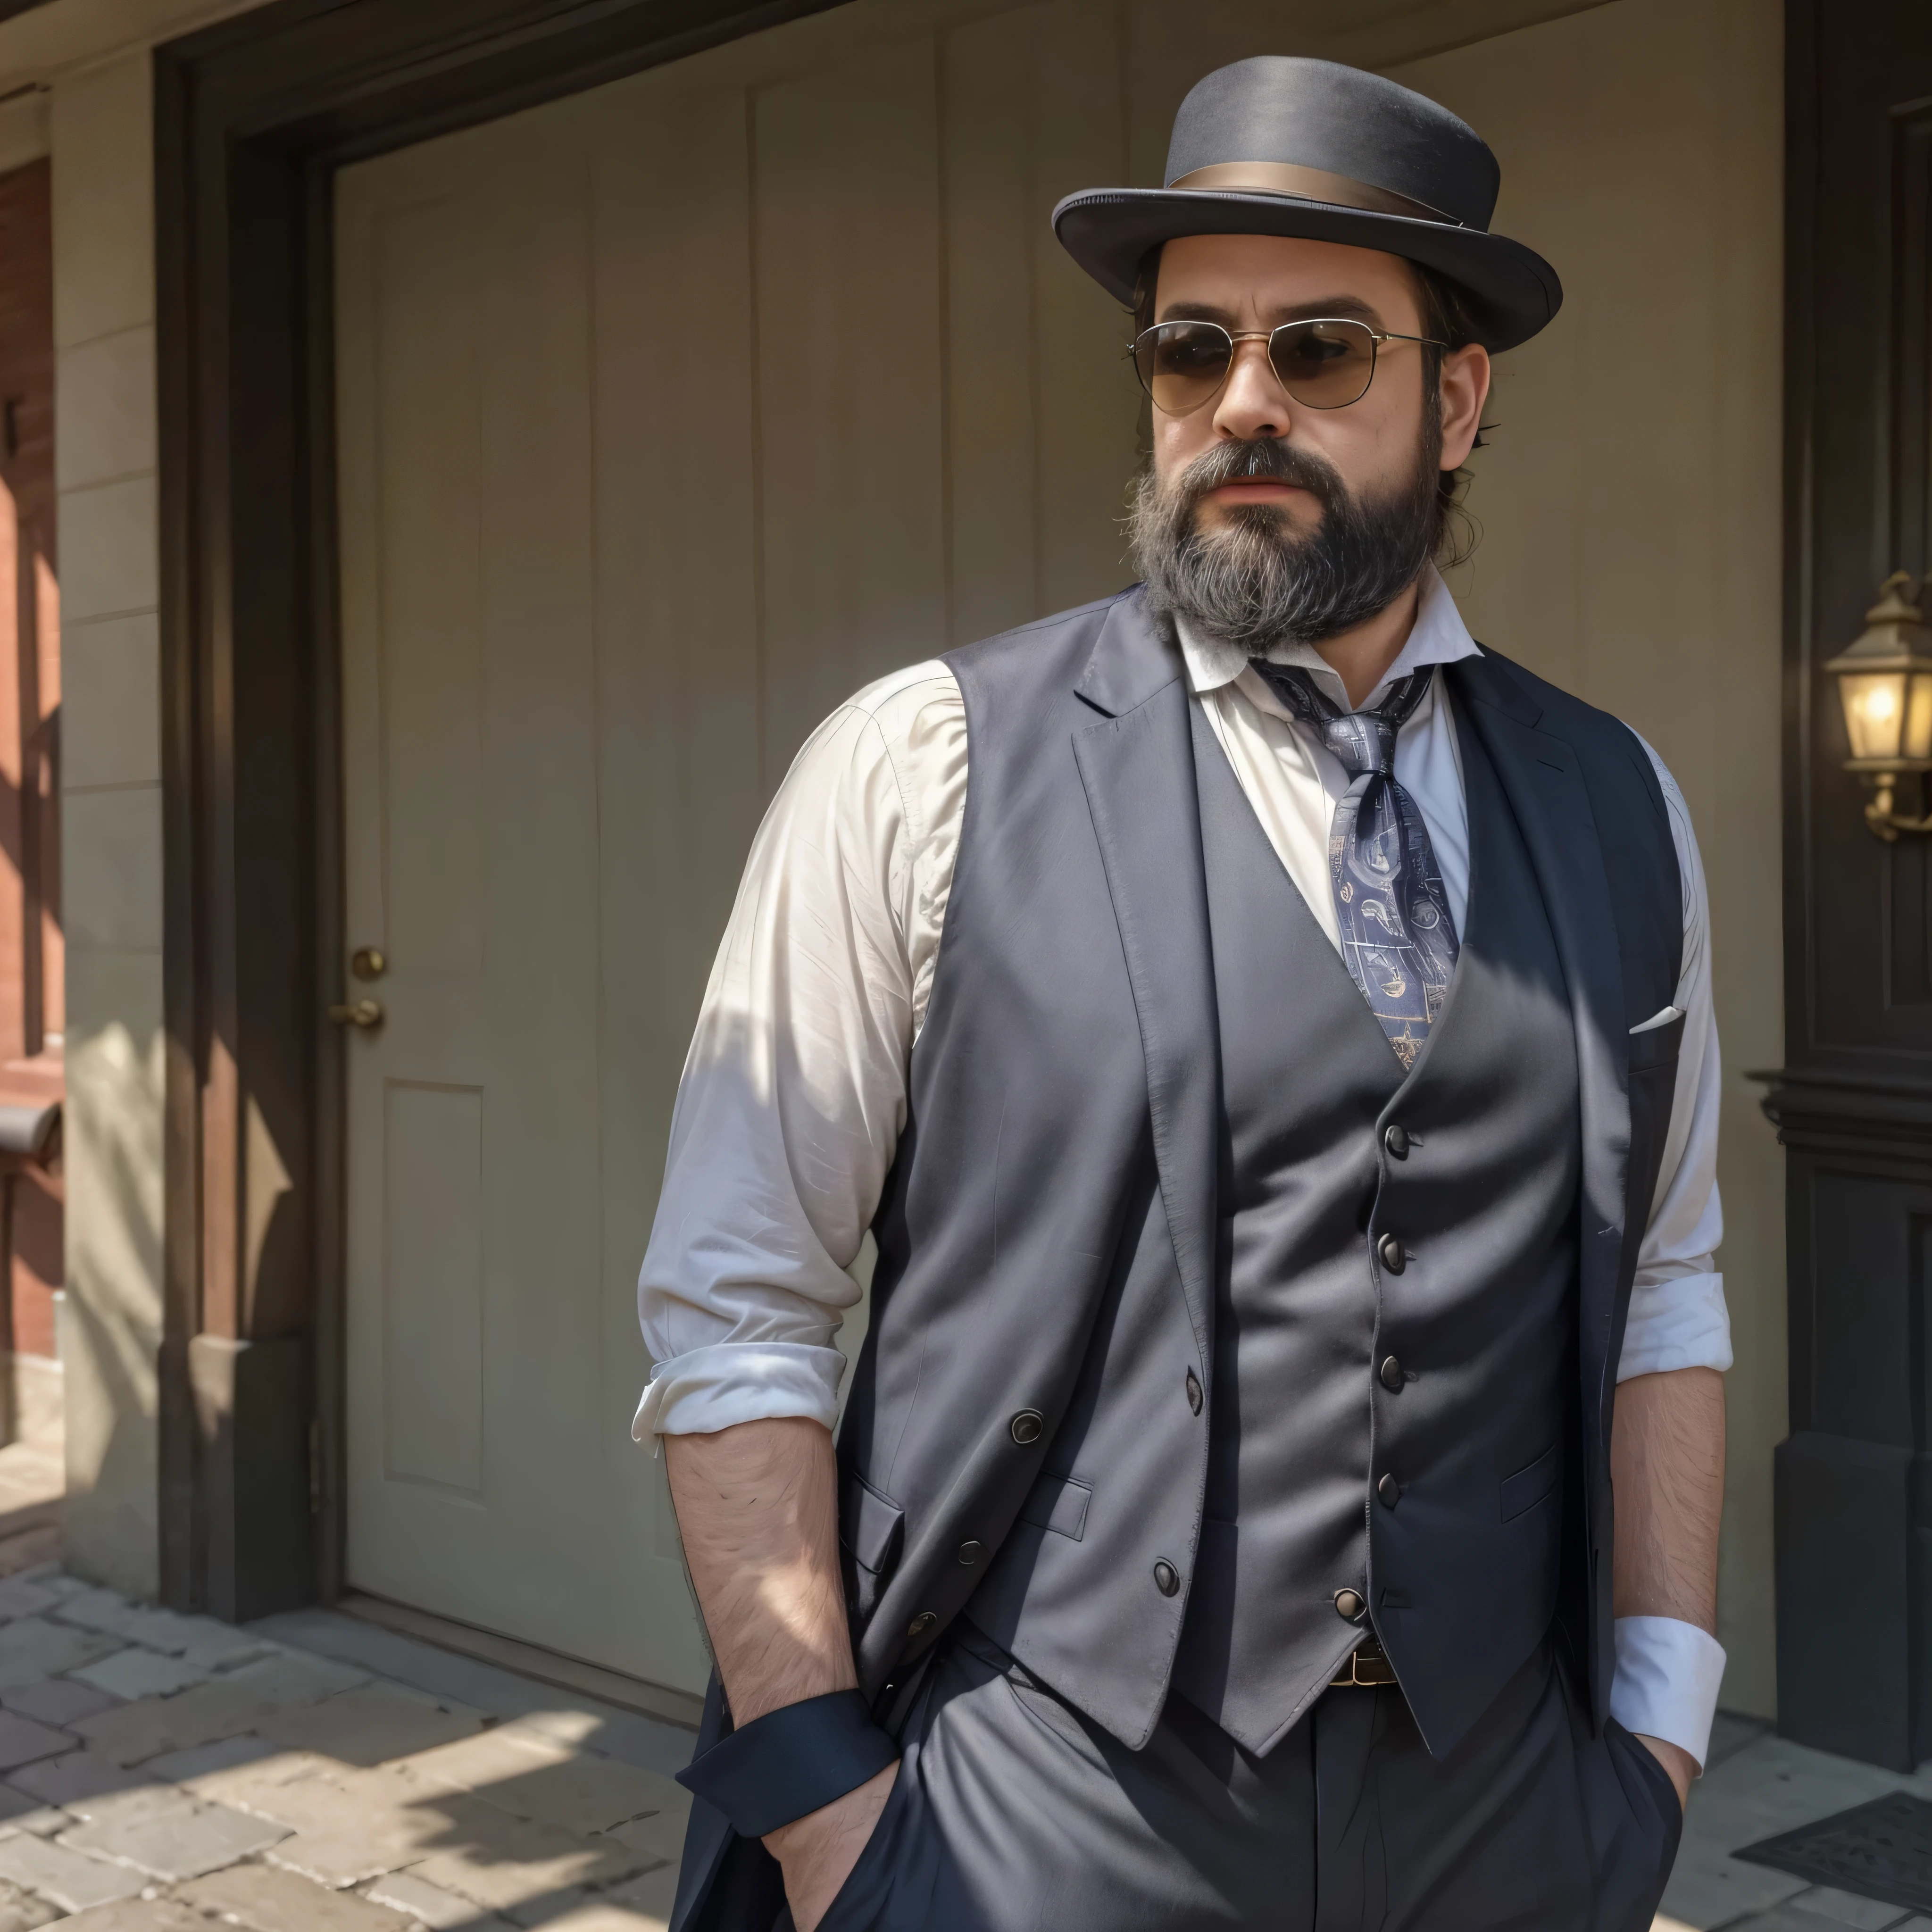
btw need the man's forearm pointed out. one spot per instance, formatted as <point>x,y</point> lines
<point>1667,1466</point>
<point>757,1508</point>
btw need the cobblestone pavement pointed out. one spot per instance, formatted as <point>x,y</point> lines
<point>311,1773</point>
<point>1756,1786</point>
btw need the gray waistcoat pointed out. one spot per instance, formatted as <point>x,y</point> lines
<point>1020,1436</point>
<point>1300,1429</point>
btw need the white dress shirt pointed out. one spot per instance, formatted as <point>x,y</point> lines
<point>793,1096</point>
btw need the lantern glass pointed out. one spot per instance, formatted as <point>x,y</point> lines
<point>1918,716</point>
<point>1875,712</point>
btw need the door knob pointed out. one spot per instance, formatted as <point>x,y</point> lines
<point>363,1013</point>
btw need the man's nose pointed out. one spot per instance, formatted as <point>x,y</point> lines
<point>1252,402</point>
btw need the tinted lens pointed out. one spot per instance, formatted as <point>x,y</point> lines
<point>1324,365</point>
<point>1182,364</point>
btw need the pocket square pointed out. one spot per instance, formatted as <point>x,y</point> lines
<point>1661,1019</point>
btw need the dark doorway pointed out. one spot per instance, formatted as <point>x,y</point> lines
<point>1854,1102</point>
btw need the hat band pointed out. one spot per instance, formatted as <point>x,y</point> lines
<point>1300,183</point>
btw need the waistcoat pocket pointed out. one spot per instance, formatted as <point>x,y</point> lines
<point>1058,1503</point>
<point>1527,1487</point>
<point>871,1527</point>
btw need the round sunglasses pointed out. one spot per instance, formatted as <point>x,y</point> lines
<point>1324,363</point>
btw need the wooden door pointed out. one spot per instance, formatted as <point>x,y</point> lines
<point>669,415</point>
<point>1854,1102</point>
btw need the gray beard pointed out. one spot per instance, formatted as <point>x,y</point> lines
<point>1254,580</point>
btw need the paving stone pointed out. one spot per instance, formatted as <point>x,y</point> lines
<point>72,1879</point>
<point>505,1865</point>
<point>130,1733</point>
<point>584,1794</point>
<point>177,1844</point>
<point>349,1801</point>
<point>338,1861</point>
<point>223,1707</point>
<point>370,1725</point>
<point>643,1905</point>
<point>236,1772</point>
<point>79,1775</point>
<point>23,1741</point>
<point>489,1757</point>
<point>139,1915</point>
<point>530,1775</point>
<point>659,1837</point>
<point>97,1608</point>
<point>126,1807</point>
<point>357,1827</point>
<point>441,1911</point>
<point>545,1906</point>
<point>59,1701</point>
<point>21,1911</point>
<point>32,1649</point>
<point>1833,1907</point>
<point>268,1899</point>
<point>135,1672</point>
<point>15,1805</point>
<point>52,1577</point>
<point>144,1623</point>
<point>44,1821</point>
<point>220,1646</point>
<point>20,1597</point>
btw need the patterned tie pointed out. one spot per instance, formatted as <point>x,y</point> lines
<point>1398,939</point>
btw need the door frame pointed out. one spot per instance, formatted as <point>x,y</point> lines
<point>252,118</point>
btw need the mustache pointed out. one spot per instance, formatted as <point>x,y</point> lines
<point>1266,458</point>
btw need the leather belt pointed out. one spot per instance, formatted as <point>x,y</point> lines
<point>1365,1665</point>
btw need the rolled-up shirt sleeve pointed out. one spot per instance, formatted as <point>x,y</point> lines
<point>1678,1318</point>
<point>794,1095</point>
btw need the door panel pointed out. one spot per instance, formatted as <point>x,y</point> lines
<point>668,414</point>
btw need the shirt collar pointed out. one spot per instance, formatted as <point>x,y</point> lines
<point>1437,636</point>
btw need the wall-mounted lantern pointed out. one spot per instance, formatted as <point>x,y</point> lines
<point>1885,684</point>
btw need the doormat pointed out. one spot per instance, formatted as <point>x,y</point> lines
<point>1883,1850</point>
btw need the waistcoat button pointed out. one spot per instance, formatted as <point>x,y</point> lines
<point>1390,1490</point>
<point>1350,1606</point>
<point>1396,1141</point>
<point>970,1553</point>
<point>1393,1257</point>
<point>1193,1393</point>
<point>1391,1372</point>
<point>1166,1578</point>
<point>921,1623</point>
<point>1027,1426</point>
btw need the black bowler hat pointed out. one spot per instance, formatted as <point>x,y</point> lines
<point>1277,146</point>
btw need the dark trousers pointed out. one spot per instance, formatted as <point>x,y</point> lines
<point>1013,1813</point>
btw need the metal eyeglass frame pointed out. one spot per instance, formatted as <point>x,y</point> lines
<point>1376,338</point>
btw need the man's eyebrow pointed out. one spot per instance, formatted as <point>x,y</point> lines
<point>1345,308</point>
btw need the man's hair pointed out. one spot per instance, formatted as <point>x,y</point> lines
<point>1447,319</point>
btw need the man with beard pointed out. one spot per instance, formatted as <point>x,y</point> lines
<point>1270,1038</point>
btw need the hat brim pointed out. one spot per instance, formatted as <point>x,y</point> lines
<point>1513,291</point>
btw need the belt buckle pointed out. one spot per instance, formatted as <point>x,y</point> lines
<point>1367,1667</point>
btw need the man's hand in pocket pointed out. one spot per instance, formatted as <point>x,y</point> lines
<point>1678,1762</point>
<point>819,1850</point>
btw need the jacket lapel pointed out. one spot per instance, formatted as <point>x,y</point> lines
<point>1137,764</point>
<point>1545,785</point>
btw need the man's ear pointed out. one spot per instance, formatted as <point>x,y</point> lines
<point>1465,388</point>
